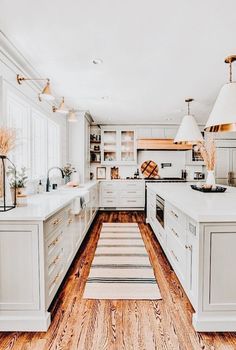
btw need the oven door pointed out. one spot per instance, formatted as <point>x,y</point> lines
<point>160,208</point>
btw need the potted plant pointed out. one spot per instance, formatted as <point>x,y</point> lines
<point>68,170</point>
<point>18,182</point>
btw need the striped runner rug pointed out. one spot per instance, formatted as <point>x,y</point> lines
<point>121,267</point>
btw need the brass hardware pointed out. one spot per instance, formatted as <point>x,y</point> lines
<point>61,108</point>
<point>229,60</point>
<point>174,255</point>
<point>55,222</point>
<point>174,214</point>
<point>46,90</point>
<point>175,233</point>
<point>70,221</point>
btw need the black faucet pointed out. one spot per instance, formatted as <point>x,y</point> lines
<point>48,181</point>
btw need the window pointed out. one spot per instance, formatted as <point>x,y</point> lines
<point>38,137</point>
<point>18,117</point>
<point>53,144</point>
<point>39,144</point>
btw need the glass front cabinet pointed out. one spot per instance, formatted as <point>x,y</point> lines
<point>118,147</point>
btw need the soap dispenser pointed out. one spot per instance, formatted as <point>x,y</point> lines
<point>40,187</point>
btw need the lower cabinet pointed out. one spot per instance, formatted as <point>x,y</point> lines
<point>34,258</point>
<point>122,194</point>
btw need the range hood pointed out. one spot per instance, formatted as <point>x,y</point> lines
<point>161,144</point>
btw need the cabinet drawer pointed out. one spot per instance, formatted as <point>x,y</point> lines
<point>54,283</point>
<point>131,202</point>
<point>176,229</point>
<point>54,261</point>
<point>177,254</point>
<point>176,215</point>
<point>132,193</point>
<point>54,241</point>
<point>55,221</point>
<point>151,199</point>
<point>109,202</point>
<point>109,185</point>
<point>109,193</point>
<point>130,185</point>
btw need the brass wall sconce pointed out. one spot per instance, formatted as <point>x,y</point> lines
<point>45,94</point>
<point>62,108</point>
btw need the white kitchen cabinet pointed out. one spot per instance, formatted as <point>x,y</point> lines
<point>79,146</point>
<point>170,132</point>
<point>225,171</point>
<point>19,267</point>
<point>157,133</point>
<point>34,258</point>
<point>118,146</point>
<point>122,194</point>
<point>202,255</point>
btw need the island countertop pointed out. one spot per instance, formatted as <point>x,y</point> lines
<point>41,206</point>
<point>200,206</point>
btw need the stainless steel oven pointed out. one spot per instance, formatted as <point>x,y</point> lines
<point>160,210</point>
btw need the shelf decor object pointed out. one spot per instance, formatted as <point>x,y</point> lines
<point>208,152</point>
<point>101,173</point>
<point>45,94</point>
<point>223,115</point>
<point>188,132</point>
<point>217,189</point>
<point>7,194</point>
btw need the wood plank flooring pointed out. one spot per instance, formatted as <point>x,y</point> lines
<point>79,324</point>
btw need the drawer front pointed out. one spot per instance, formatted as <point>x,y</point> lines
<point>54,242</point>
<point>132,193</point>
<point>177,254</point>
<point>176,229</point>
<point>54,261</point>
<point>109,185</point>
<point>130,185</point>
<point>131,202</point>
<point>55,221</point>
<point>54,283</point>
<point>109,193</point>
<point>108,202</point>
<point>176,215</point>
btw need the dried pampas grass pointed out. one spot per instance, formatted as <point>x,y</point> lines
<point>207,149</point>
<point>7,140</point>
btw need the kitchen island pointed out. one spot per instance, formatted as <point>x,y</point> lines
<point>197,232</point>
<point>37,246</point>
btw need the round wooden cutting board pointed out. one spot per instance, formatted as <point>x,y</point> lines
<point>150,169</point>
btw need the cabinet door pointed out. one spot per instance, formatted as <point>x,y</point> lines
<point>170,133</point>
<point>19,267</point>
<point>127,146</point>
<point>222,165</point>
<point>158,133</point>
<point>109,146</point>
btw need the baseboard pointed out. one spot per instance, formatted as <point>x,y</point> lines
<point>25,323</point>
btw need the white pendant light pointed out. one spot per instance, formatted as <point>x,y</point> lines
<point>223,115</point>
<point>72,118</point>
<point>188,132</point>
<point>62,108</point>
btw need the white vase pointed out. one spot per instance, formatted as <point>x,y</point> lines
<point>210,180</point>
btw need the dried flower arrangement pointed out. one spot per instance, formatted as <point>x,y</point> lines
<point>68,169</point>
<point>207,149</point>
<point>7,140</point>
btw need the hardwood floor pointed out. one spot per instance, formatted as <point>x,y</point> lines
<point>79,324</point>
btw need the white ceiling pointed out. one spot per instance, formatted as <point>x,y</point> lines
<point>155,53</point>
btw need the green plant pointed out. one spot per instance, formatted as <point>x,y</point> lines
<point>68,169</point>
<point>19,179</point>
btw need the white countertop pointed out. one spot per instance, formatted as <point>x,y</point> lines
<point>41,206</point>
<point>202,207</point>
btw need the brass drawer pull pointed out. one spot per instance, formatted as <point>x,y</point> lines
<point>175,233</point>
<point>70,221</point>
<point>56,222</point>
<point>54,242</point>
<point>172,212</point>
<point>174,255</point>
<point>54,261</point>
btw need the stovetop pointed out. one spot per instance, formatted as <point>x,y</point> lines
<point>166,179</point>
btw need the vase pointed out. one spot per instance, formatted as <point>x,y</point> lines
<point>67,179</point>
<point>210,180</point>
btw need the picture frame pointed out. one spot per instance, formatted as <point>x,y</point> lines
<point>101,173</point>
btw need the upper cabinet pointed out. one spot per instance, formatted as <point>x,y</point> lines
<point>118,146</point>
